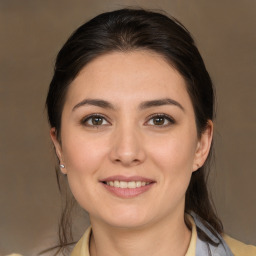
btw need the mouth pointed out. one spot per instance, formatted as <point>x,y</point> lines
<point>125,184</point>
<point>127,187</point>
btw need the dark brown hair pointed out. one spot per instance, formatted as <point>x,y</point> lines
<point>134,29</point>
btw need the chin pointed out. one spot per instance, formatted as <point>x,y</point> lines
<point>127,219</point>
<point>128,223</point>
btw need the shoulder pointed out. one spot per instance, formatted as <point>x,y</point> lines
<point>14,254</point>
<point>82,246</point>
<point>238,248</point>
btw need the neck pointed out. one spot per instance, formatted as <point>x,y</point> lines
<point>169,237</point>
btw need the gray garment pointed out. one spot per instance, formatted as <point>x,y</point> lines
<point>206,249</point>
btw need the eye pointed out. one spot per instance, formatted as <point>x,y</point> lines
<point>95,120</point>
<point>160,120</point>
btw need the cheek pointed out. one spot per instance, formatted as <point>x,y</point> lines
<point>83,158</point>
<point>174,157</point>
<point>83,154</point>
<point>174,154</point>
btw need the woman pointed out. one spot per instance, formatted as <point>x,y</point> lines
<point>131,109</point>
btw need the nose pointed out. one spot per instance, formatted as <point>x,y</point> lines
<point>127,146</point>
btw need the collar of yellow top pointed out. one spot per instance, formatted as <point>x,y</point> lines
<point>82,247</point>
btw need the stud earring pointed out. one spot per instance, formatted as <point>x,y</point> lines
<point>61,167</point>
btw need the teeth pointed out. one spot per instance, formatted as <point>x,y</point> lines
<point>138,184</point>
<point>123,184</point>
<point>130,184</point>
<point>116,184</point>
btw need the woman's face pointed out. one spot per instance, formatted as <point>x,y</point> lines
<point>129,140</point>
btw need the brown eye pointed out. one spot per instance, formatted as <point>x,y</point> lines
<point>95,120</point>
<point>160,120</point>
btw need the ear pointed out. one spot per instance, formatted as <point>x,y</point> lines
<point>203,146</point>
<point>58,149</point>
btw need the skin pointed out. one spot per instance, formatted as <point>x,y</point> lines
<point>130,142</point>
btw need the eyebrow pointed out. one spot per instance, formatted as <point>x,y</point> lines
<point>94,102</point>
<point>160,102</point>
<point>144,105</point>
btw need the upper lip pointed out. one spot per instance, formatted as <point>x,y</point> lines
<point>127,179</point>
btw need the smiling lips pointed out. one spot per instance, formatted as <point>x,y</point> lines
<point>124,184</point>
<point>127,187</point>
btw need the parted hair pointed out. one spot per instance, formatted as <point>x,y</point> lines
<point>127,30</point>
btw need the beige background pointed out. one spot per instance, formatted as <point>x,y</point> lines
<point>31,33</point>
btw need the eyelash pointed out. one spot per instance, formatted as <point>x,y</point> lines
<point>166,117</point>
<point>87,118</point>
<point>170,120</point>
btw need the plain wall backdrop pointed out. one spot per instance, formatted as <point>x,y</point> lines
<point>32,32</point>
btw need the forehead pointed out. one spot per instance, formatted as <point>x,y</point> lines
<point>128,77</point>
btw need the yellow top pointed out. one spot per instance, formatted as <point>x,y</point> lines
<point>238,248</point>
<point>14,254</point>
